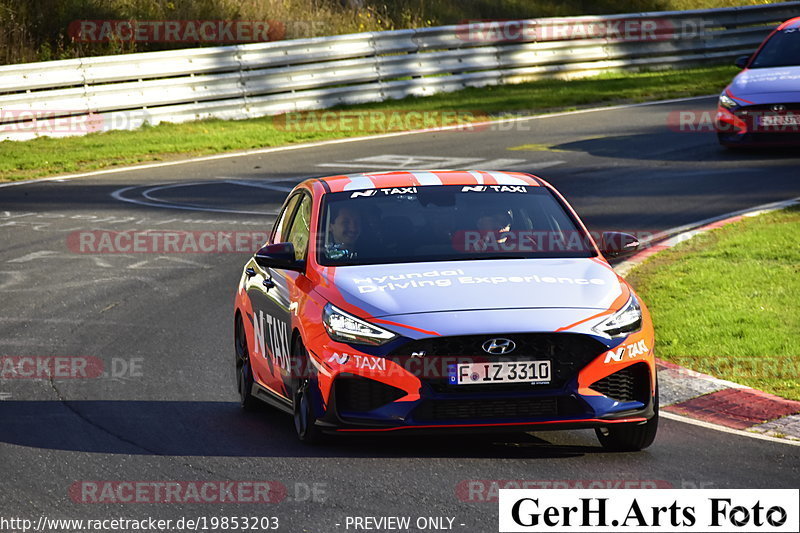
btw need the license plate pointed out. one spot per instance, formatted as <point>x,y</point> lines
<point>779,120</point>
<point>534,372</point>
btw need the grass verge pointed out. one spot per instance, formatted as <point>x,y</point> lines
<point>725,302</point>
<point>47,156</point>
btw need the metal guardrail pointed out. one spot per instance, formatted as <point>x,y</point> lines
<point>245,81</point>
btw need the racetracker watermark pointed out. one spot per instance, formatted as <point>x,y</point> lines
<point>69,367</point>
<point>149,523</point>
<point>615,30</point>
<point>176,31</point>
<point>52,121</point>
<point>488,490</point>
<point>379,121</point>
<point>177,492</point>
<point>668,511</point>
<point>705,121</point>
<point>180,492</point>
<point>165,242</point>
<point>540,241</point>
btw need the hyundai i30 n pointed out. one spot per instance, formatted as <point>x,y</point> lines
<point>761,106</point>
<point>443,301</point>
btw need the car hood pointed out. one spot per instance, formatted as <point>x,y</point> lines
<point>409,288</point>
<point>767,85</point>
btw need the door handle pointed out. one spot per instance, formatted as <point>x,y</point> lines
<point>250,272</point>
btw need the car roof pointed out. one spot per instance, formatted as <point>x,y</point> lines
<point>791,23</point>
<point>409,178</point>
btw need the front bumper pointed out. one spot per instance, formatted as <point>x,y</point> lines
<point>592,386</point>
<point>742,127</point>
<point>334,424</point>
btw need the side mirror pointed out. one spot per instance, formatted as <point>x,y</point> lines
<point>742,61</point>
<point>279,255</point>
<point>615,243</point>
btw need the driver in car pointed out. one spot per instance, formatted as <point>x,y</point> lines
<point>343,233</point>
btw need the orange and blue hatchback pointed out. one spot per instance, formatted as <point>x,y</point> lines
<point>443,301</point>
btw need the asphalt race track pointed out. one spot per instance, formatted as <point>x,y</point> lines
<point>167,409</point>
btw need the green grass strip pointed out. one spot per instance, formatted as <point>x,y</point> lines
<point>726,302</point>
<point>48,156</point>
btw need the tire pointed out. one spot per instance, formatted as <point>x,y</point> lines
<point>302,399</point>
<point>244,372</point>
<point>630,437</point>
<point>725,142</point>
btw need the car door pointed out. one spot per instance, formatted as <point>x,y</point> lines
<point>262,289</point>
<point>270,293</point>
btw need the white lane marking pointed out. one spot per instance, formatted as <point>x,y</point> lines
<point>708,425</point>
<point>14,278</point>
<point>259,184</point>
<point>33,256</point>
<point>175,262</point>
<point>244,183</point>
<point>347,140</point>
<point>100,219</point>
<point>52,254</point>
<point>181,263</point>
<point>148,193</point>
<point>118,195</point>
<point>499,164</point>
<point>404,161</point>
<point>69,285</point>
<point>535,166</point>
<point>37,319</point>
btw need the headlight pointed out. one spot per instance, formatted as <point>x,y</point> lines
<point>727,102</point>
<point>626,320</point>
<point>344,327</point>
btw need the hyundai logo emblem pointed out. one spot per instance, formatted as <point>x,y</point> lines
<point>499,346</point>
<point>779,108</point>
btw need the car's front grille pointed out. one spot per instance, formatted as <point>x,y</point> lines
<point>496,409</point>
<point>358,395</point>
<point>752,115</point>
<point>791,107</point>
<point>430,358</point>
<point>631,384</point>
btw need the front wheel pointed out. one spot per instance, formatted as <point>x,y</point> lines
<point>302,399</point>
<point>728,142</point>
<point>630,437</point>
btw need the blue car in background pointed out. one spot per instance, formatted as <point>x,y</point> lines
<point>761,106</point>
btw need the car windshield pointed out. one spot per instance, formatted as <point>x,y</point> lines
<point>781,50</point>
<point>447,223</point>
